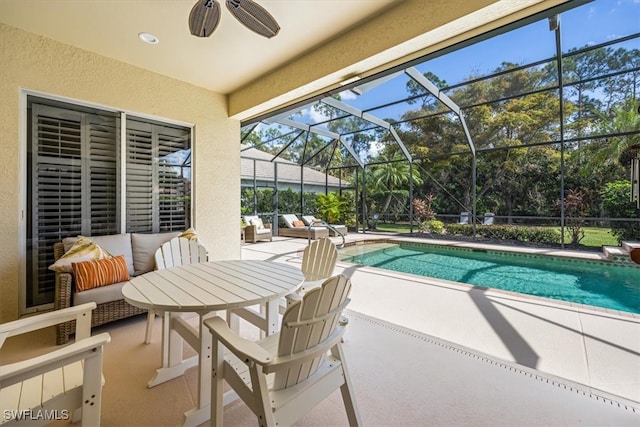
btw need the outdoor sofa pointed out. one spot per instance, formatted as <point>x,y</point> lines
<point>138,250</point>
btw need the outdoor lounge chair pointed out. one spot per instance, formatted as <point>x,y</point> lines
<point>372,223</point>
<point>488,218</point>
<point>256,230</point>
<point>282,377</point>
<point>294,227</point>
<point>311,220</point>
<point>464,217</point>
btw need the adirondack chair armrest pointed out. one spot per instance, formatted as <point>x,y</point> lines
<point>284,362</point>
<point>83,349</point>
<point>243,349</point>
<point>44,320</point>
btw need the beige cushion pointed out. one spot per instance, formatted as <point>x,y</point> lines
<point>258,223</point>
<point>288,219</point>
<point>99,295</point>
<point>117,244</point>
<point>248,218</point>
<point>144,247</point>
<point>83,249</point>
<point>309,219</point>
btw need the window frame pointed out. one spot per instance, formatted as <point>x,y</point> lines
<point>24,170</point>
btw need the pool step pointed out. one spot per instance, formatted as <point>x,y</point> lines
<point>620,254</point>
<point>630,245</point>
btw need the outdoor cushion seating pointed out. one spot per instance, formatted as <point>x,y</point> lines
<point>464,217</point>
<point>300,230</point>
<point>138,250</point>
<point>283,376</point>
<point>488,218</point>
<point>372,223</point>
<point>311,220</point>
<point>66,382</point>
<point>256,230</point>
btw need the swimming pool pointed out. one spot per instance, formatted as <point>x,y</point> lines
<point>586,282</point>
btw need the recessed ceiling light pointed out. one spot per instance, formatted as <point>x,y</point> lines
<point>148,38</point>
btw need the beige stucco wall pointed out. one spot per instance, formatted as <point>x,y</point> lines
<point>31,62</point>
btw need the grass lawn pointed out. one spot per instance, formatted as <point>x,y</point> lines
<point>593,236</point>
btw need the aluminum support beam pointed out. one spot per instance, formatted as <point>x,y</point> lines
<point>323,132</point>
<point>353,153</point>
<point>448,102</point>
<point>369,118</point>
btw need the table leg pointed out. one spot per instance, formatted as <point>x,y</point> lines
<point>271,314</point>
<point>202,411</point>
<point>172,349</point>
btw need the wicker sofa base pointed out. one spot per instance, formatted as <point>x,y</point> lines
<point>104,313</point>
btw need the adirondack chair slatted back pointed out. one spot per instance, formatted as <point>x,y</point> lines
<point>180,251</point>
<point>319,260</point>
<point>307,323</point>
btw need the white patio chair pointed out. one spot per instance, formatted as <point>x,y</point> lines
<point>318,263</point>
<point>488,218</point>
<point>282,377</point>
<point>53,385</point>
<point>177,251</point>
<point>464,217</point>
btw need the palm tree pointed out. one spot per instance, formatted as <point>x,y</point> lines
<point>392,178</point>
<point>623,119</point>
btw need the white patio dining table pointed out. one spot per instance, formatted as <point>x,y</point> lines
<point>206,288</point>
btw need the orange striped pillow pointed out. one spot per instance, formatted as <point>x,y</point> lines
<point>93,274</point>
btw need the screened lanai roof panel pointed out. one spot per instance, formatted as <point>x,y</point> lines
<point>480,59</point>
<point>350,124</point>
<point>391,90</point>
<point>402,111</point>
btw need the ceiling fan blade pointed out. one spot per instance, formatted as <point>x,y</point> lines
<point>204,18</point>
<point>254,17</point>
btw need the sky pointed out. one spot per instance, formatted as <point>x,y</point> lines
<point>593,23</point>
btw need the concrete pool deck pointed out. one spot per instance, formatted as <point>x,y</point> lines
<point>596,348</point>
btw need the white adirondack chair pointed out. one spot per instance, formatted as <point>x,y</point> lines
<point>57,384</point>
<point>318,263</point>
<point>175,252</point>
<point>282,377</point>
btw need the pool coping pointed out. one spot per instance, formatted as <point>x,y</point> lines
<point>524,251</point>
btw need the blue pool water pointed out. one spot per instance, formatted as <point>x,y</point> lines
<point>591,283</point>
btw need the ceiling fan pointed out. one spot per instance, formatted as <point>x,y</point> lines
<point>205,16</point>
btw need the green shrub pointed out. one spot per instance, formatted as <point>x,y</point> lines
<point>433,225</point>
<point>507,232</point>
<point>616,201</point>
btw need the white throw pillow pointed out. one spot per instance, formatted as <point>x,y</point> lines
<point>258,223</point>
<point>309,219</point>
